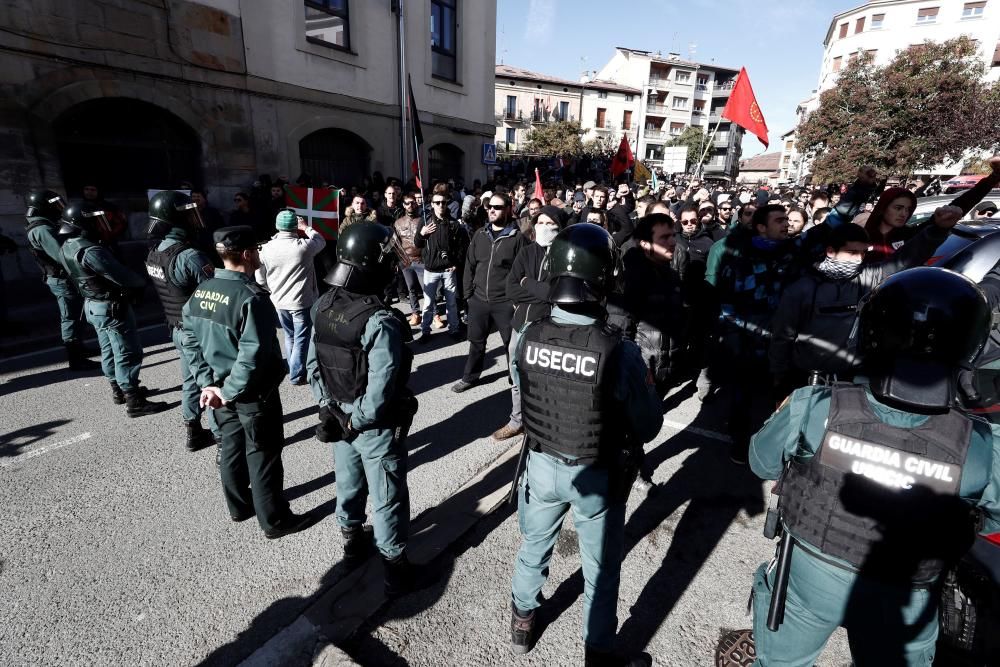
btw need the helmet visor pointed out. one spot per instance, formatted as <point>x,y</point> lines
<point>393,253</point>
<point>192,216</point>
<point>99,220</point>
<point>57,203</point>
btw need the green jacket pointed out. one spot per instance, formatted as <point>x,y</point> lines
<point>234,345</point>
<point>796,430</point>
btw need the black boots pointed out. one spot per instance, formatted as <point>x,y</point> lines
<point>77,358</point>
<point>522,630</point>
<point>137,405</point>
<point>198,437</point>
<point>358,544</point>
<point>397,576</point>
<point>117,395</point>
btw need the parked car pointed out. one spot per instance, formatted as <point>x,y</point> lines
<point>960,183</point>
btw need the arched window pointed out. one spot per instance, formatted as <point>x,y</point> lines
<point>125,147</point>
<point>335,156</point>
<point>446,162</point>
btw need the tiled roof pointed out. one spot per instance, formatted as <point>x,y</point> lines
<point>764,162</point>
<point>508,72</point>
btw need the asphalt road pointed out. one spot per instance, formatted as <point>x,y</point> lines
<point>117,547</point>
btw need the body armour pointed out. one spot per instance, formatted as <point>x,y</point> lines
<point>88,283</point>
<point>341,318</point>
<point>49,267</point>
<point>565,384</point>
<point>881,497</point>
<point>160,267</point>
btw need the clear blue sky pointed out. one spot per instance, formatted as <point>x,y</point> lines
<point>780,42</point>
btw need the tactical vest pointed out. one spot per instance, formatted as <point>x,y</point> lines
<point>872,493</point>
<point>565,385</point>
<point>49,267</point>
<point>341,318</point>
<point>90,284</point>
<point>160,267</point>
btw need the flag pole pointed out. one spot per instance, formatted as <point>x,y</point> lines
<point>420,174</point>
<point>401,43</point>
<point>708,147</point>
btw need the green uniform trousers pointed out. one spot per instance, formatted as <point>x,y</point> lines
<point>70,309</point>
<point>549,489</point>
<point>250,459</point>
<point>121,350</point>
<point>191,410</point>
<point>374,464</point>
<point>887,625</point>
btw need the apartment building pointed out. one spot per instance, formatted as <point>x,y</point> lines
<point>884,27</point>
<point>676,94</point>
<point>525,100</point>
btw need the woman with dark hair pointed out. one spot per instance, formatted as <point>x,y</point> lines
<point>886,226</point>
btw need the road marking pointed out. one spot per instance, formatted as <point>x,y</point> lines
<point>60,347</point>
<point>44,450</point>
<point>705,433</point>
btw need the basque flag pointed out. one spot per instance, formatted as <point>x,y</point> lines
<point>319,206</point>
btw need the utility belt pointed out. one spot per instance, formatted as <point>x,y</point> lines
<point>399,418</point>
<point>623,465</point>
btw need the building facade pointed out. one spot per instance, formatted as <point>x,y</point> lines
<point>525,100</point>
<point>884,27</point>
<point>761,169</point>
<point>131,94</point>
<point>677,94</point>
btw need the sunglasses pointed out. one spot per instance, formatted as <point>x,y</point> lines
<point>438,202</point>
<point>726,208</point>
<point>497,207</point>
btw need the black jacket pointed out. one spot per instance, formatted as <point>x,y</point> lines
<point>489,260</point>
<point>531,300</point>
<point>442,249</point>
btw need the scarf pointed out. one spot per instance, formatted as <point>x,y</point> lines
<point>835,269</point>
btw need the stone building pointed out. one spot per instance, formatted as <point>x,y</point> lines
<point>136,94</point>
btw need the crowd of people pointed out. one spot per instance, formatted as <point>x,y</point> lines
<point>605,297</point>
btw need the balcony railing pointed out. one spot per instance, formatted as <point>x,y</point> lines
<point>722,139</point>
<point>659,84</point>
<point>511,115</point>
<point>605,126</point>
<point>658,109</point>
<point>654,133</point>
<point>550,117</point>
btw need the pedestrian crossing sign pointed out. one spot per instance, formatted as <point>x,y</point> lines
<point>489,153</point>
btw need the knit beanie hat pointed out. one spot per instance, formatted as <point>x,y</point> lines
<point>467,204</point>
<point>285,221</point>
<point>556,214</point>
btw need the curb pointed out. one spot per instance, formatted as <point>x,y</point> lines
<point>338,612</point>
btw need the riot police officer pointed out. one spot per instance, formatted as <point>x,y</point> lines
<point>176,269</point>
<point>589,404</point>
<point>883,483</point>
<point>108,287</point>
<point>359,365</point>
<point>235,358</point>
<point>42,227</point>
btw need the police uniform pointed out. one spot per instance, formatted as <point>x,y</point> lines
<point>845,570</point>
<point>176,269</point>
<point>107,286</point>
<point>588,404</point>
<point>234,346</point>
<point>883,482</point>
<point>359,357</point>
<point>358,367</point>
<point>46,248</point>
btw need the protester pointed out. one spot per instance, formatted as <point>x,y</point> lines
<point>439,239</point>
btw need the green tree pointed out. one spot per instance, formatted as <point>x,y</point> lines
<point>694,138</point>
<point>928,106</point>
<point>560,139</point>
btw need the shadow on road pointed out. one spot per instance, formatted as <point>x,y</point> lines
<point>13,442</point>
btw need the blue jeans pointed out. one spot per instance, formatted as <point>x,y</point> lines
<point>121,351</point>
<point>297,326</point>
<point>374,464</point>
<point>431,280</point>
<point>549,489</point>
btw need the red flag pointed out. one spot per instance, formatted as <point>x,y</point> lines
<point>539,193</point>
<point>623,158</point>
<point>742,108</point>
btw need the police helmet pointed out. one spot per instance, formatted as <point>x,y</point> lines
<point>45,204</point>
<point>583,264</point>
<point>86,220</point>
<point>170,208</point>
<point>366,255</point>
<point>916,331</point>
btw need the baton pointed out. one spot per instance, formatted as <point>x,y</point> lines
<point>776,610</point>
<point>521,460</point>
